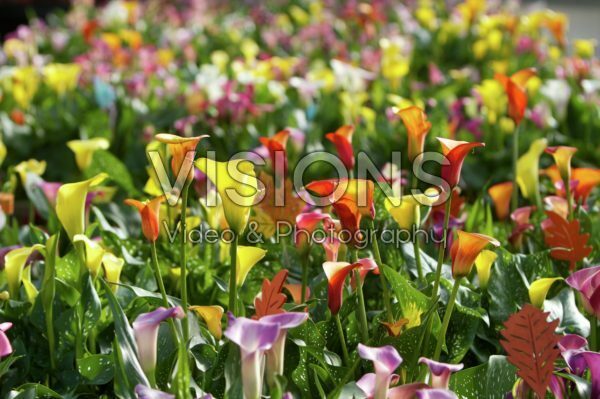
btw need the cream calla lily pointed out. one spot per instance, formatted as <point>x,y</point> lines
<point>84,150</point>
<point>113,265</point>
<point>237,185</point>
<point>14,267</point>
<point>212,317</point>
<point>70,204</point>
<point>247,257</point>
<point>539,289</point>
<point>93,253</point>
<point>408,212</point>
<point>483,264</point>
<point>528,170</point>
<point>30,166</point>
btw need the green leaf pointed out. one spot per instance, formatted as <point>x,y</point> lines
<point>491,380</point>
<point>91,306</point>
<point>37,390</point>
<point>105,162</point>
<point>96,369</point>
<point>48,291</point>
<point>564,308</point>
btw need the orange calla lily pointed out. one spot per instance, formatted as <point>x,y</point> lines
<point>500,194</point>
<point>211,315</point>
<point>587,179</point>
<point>275,145</point>
<point>350,217</point>
<point>336,273</point>
<point>465,250</point>
<point>149,211</point>
<point>417,127</point>
<point>514,86</point>
<point>342,139</point>
<point>557,25</point>
<point>562,157</point>
<point>181,148</point>
<point>456,152</point>
<point>359,190</point>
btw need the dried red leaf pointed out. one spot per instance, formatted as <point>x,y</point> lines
<point>530,342</point>
<point>271,299</point>
<point>565,240</point>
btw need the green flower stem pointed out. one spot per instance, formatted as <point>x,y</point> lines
<point>447,315</point>
<point>362,313</point>
<point>570,209</point>
<point>345,355</point>
<point>161,287</point>
<point>233,275</point>
<point>417,250</point>
<point>514,203</point>
<point>184,295</point>
<point>304,260</point>
<point>384,284</point>
<point>593,333</point>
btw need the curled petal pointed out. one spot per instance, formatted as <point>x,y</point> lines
<point>528,169</point>
<point>212,317</point>
<point>150,214</point>
<point>483,264</point>
<point>247,258</point>
<point>93,253</point>
<point>385,359</point>
<point>359,190</point>
<point>251,335</point>
<point>276,146</point>
<point>455,152</point>
<point>5,346</point>
<point>143,392</point>
<point>465,250</point>
<point>587,179</point>
<point>440,372</point>
<point>113,265</point>
<point>539,289</point>
<point>417,127</point>
<point>562,157</point>
<point>342,139</point>
<point>435,394</point>
<point>336,273</point>
<point>84,150</point>
<point>15,261</point>
<point>501,194</point>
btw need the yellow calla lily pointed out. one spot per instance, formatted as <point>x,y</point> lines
<point>247,257</point>
<point>62,77</point>
<point>25,83</point>
<point>212,317</point>
<point>30,166</point>
<point>2,152</point>
<point>483,264</point>
<point>408,213</point>
<point>493,98</point>
<point>112,269</point>
<point>70,204</point>
<point>14,266</point>
<point>539,289</point>
<point>237,185</point>
<point>93,253</point>
<point>84,150</point>
<point>30,289</point>
<point>528,170</point>
<point>562,157</point>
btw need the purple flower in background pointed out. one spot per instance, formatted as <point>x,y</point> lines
<point>143,392</point>
<point>254,338</point>
<point>275,355</point>
<point>145,330</point>
<point>5,347</point>
<point>440,372</point>
<point>587,282</point>
<point>385,361</point>
<point>435,394</point>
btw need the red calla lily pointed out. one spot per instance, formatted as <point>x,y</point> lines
<point>276,145</point>
<point>456,152</point>
<point>336,273</point>
<point>514,86</point>
<point>342,139</point>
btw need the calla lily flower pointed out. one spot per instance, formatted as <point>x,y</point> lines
<point>385,361</point>
<point>501,194</point>
<point>408,213</point>
<point>143,392</point>
<point>528,170</point>
<point>295,291</point>
<point>62,77</point>
<point>558,205</point>
<point>306,224</point>
<point>483,263</point>
<point>211,315</point>
<point>440,372</point>
<point>336,273</point>
<point>587,282</point>
<point>275,355</point>
<point>435,394</point>
<point>456,152</point>
<point>254,338</point>
<point>395,328</point>
<point>331,245</point>
<point>14,266</point>
<point>571,345</point>
<point>276,145</point>
<point>70,204</point>
<point>246,258</point>
<point>5,347</point>
<point>150,214</point>
<point>360,191</point>
<point>417,126</point>
<point>539,289</point>
<point>183,151</point>
<point>7,203</point>
<point>342,139</point>
<point>587,179</point>
<point>145,330</point>
<point>31,166</point>
<point>562,157</point>
<point>84,150</point>
<point>94,253</point>
<point>350,217</point>
<point>520,217</point>
<point>515,91</point>
<point>113,265</point>
<point>465,250</point>
<point>237,185</point>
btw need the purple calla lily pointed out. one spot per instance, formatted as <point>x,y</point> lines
<point>587,282</point>
<point>5,347</point>
<point>145,330</point>
<point>435,394</point>
<point>385,361</point>
<point>254,338</point>
<point>275,355</point>
<point>440,372</point>
<point>143,392</point>
<point>593,362</point>
<point>570,346</point>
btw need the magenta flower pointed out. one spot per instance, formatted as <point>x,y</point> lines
<point>435,394</point>
<point>145,330</point>
<point>306,224</point>
<point>5,347</point>
<point>587,282</point>
<point>385,361</point>
<point>254,338</point>
<point>571,345</point>
<point>440,372</point>
<point>275,355</point>
<point>143,392</point>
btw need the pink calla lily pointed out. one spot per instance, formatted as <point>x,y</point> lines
<point>385,361</point>
<point>5,346</point>
<point>440,372</point>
